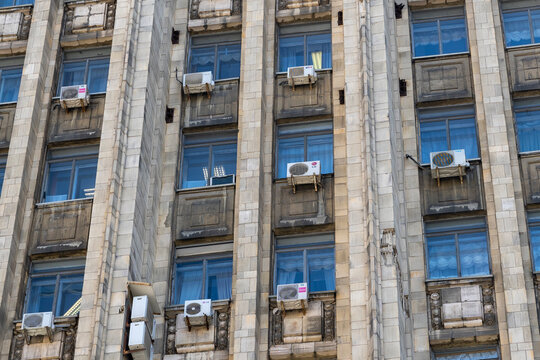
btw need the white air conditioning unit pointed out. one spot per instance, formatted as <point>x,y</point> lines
<point>222,180</point>
<point>448,163</point>
<point>198,312</point>
<point>142,311</point>
<point>301,75</point>
<point>307,172</point>
<point>74,96</point>
<point>293,296</point>
<point>140,342</point>
<point>38,323</point>
<point>200,82</point>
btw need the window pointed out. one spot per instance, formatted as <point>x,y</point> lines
<point>305,142</point>
<point>534,234</point>
<point>54,286</point>
<point>521,26</point>
<point>203,276</point>
<point>527,113</point>
<point>474,355</point>
<point>457,248</point>
<point>90,67</point>
<point>10,81</point>
<point>439,32</point>
<point>308,259</point>
<point>3,160</point>
<point>218,54</point>
<point>70,174</point>
<point>6,3</point>
<point>447,129</point>
<point>305,45</point>
<point>208,159</point>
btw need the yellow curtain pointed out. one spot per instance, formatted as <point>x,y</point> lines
<point>316,58</point>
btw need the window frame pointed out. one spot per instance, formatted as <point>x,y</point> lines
<point>531,29</point>
<point>216,43</point>
<point>14,4</point>
<point>304,247</point>
<point>3,163</point>
<point>84,56</point>
<point>530,224</point>
<point>456,233</point>
<point>524,105</point>
<point>12,67</point>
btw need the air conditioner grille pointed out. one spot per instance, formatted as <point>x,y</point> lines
<point>34,320</point>
<point>193,308</point>
<point>443,159</point>
<point>288,292</point>
<point>297,71</point>
<point>196,79</point>
<point>70,92</point>
<point>298,169</point>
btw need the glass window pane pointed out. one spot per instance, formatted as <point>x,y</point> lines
<point>4,3</point>
<point>2,175</point>
<point>188,281</point>
<point>453,36</point>
<point>535,246</point>
<point>321,265</point>
<point>9,85</point>
<point>69,292</point>
<point>442,260</point>
<point>41,294</point>
<point>202,59</point>
<point>320,147</point>
<point>289,150</point>
<point>302,128</point>
<point>463,136</point>
<point>291,52</point>
<point>528,128</point>
<point>289,268</point>
<point>219,279</point>
<point>319,51</point>
<point>195,167</point>
<point>84,179</point>
<point>516,28</point>
<point>98,72</point>
<point>432,138</point>
<point>58,181</point>
<point>425,38</point>
<point>224,159</point>
<point>228,61</point>
<point>73,73</point>
<point>24,2</point>
<point>473,254</point>
<point>484,355</point>
<point>535,19</point>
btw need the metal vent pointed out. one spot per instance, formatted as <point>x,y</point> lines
<point>70,92</point>
<point>443,159</point>
<point>288,292</point>
<point>33,320</point>
<point>297,71</point>
<point>298,169</point>
<point>193,308</point>
<point>194,79</point>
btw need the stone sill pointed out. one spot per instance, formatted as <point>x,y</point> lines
<point>60,204</point>
<point>203,189</point>
<point>217,23</point>
<point>99,37</point>
<point>433,3</point>
<point>85,2</point>
<point>16,8</point>
<point>444,283</point>
<point>60,322</point>
<point>478,335</point>
<point>284,180</point>
<point>441,56</point>
<point>15,47</point>
<point>304,13</point>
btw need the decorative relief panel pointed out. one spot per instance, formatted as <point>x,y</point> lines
<point>443,79</point>
<point>7,115</point>
<point>299,10</point>
<point>524,68</point>
<point>530,166</point>
<point>305,100</point>
<point>220,108</point>
<point>88,22</point>
<point>62,226</point>
<point>15,23</point>
<point>205,212</point>
<point>215,8</point>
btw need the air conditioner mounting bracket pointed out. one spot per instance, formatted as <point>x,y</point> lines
<point>460,171</point>
<point>28,337</point>
<point>284,312</point>
<point>314,183</point>
<point>188,324</point>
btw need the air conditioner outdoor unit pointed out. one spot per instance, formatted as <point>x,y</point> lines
<point>308,172</point>
<point>140,342</point>
<point>200,82</point>
<point>142,311</point>
<point>221,180</point>
<point>38,323</point>
<point>292,296</point>
<point>74,96</point>
<point>198,312</point>
<point>301,75</point>
<point>448,163</point>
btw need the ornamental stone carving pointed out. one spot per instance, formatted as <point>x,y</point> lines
<point>201,9</point>
<point>88,16</point>
<point>15,23</point>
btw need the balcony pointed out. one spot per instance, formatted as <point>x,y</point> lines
<point>14,28</point>
<point>306,207</point>
<point>40,347</point>
<point>462,310</point>
<point>205,212</point>
<point>221,107</point>
<point>7,115</point>
<point>200,342</point>
<point>61,226</point>
<point>451,195</point>
<point>76,123</point>
<point>530,168</point>
<point>88,22</point>
<point>443,78</point>
<point>294,334</point>
<point>215,14</point>
<point>524,64</point>
<point>293,10</point>
<point>304,100</point>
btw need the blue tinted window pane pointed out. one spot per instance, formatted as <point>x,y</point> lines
<point>23,2</point>
<point>320,147</point>
<point>432,138</point>
<point>73,73</point>
<point>9,85</point>
<point>528,127</point>
<point>195,167</point>
<point>84,179</point>
<point>516,28</point>
<point>453,36</point>
<point>98,72</point>
<point>289,267</point>
<point>224,160</point>
<point>319,51</point>
<point>426,38</point>
<point>188,281</point>
<point>219,279</point>
<point>4,3</point>
<point>69,291</point>
<point>535,245</point>
<point>291,52</point>
<point>41,294</point>
<point>289,150</point>
<point>484,355</point>
<point>473,254</point>
<point>202,59</point>
<point>58,181</point>
<point>463,136</point>
<point>442,260</point>
<point>535,19</point>
<point>321,265</point>
<point>228,65</point>
<point>2,175</point>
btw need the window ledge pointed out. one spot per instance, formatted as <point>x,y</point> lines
<point>474,161</point>
<point>442,283</point>
<point>521,47</point>
<point>527,154</point>
<point>204,188</point>
<point>64,202</point>
<point>284,180</point>
<point>99,94</point>
<point>172,310</point>
<point>438,57</point>
<point>312,296</point>
<point>8,9</point>
<point>284,73</point>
